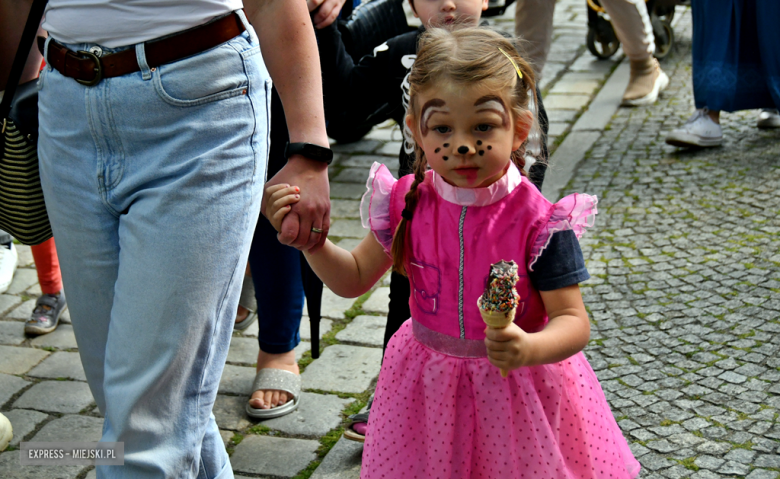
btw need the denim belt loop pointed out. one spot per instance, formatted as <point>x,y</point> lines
<point>140,53</point>
<point>248,26</point>
<point>46,52</point>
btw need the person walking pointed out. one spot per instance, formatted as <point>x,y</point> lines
<point>534,23</point>
<point>736,66</point>
<point>153,151</point>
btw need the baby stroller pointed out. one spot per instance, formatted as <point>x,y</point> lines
<point>603,43</point>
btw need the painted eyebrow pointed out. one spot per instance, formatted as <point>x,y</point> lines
<point>436,105</point>
<point>489,98</point>
<point>493,103</point>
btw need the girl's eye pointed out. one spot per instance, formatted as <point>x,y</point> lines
<point>441,129</point>
<point>483,127</point>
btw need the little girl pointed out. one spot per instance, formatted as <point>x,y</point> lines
<point>442,408</point>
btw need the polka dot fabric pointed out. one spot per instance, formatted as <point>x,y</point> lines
<point>439,416</point>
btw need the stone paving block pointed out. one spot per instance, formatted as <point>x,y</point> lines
<point>347,191</point>
<point>24,422</point>
<point>11,469</point>
<point>23,279</point>
<point>237,380</point>
<point>71,428</point>
<point>347,229</point>
<point>15,360</point>
<point>333,305</point>
<point>302,347</point>
<point>12,332</point>
<point>23,311</point>
<point>566,102</point>
<point>362,146</point>
<point>566,85</point>
<point>226,436</point>
<point>557,129</point>
<point>316,415</point>
<point>10,385</point>
<point>230,412</point>
<point>762,474</point>
<point>24,256</point>
<point>56,396</point>
<point>35,290</point>
<point>60,365</point>
<point>560,116</point>
<point>345,209</point>
<point>243,350</point>
<point>352,175</point>
<point>273,456</point>
<point>325,323</point>
<point>7,302</point>
<point>60,338</point>
<point>378,302</point>
<point>369,330</point>
<point>343,461</point>
<point>343,368</point>
<point>390,148</point>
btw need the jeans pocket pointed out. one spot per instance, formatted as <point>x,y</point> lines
<point>426,285</point>
<point>213,75</point>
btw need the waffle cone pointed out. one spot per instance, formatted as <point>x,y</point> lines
<point>496,319</point>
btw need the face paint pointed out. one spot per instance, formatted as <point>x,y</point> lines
<point>445,158</point>
<point>495,104</point>
<point>431,106</point>
<point>437,150</point>
<point>463,149</point>
<point>490,147</point>
<point>446,145</point>
<point>479,142</point>
<point>481,152</point>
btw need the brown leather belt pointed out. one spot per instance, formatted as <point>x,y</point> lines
<point>88,69</point>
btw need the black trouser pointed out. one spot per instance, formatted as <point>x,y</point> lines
<point>400,290</point>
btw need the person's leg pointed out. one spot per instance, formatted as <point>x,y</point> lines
<point>534,24</point>
<point>635,32</point>
<point>49,306</point>
<point>276,271</point>
<point>767,13</point>
<point>153,216</point>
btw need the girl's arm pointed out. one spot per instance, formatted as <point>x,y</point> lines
<point>566,334</point>
<point>348,274</point>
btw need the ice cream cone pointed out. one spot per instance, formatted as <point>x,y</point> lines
<point>496,319</point>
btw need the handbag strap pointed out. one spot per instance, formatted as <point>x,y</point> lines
<point>25,44</point>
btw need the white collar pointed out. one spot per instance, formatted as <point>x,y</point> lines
<point>479,196</point>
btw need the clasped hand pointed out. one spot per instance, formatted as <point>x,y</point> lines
<point>508,348</point>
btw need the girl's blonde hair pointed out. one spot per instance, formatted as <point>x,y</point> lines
<point>465,56</point>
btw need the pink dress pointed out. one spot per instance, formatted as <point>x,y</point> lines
<point>441,410</point>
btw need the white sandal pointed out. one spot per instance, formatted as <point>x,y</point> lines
<point>280,380</point>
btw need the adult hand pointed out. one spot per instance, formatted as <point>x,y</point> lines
<point>326,11</point>
<point>313,209</point>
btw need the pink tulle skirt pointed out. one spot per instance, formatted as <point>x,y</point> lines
<point>439,416</point>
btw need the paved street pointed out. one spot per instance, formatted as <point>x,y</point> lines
<point>684,297</point>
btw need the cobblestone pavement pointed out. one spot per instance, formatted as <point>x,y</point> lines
<point>684,301</point>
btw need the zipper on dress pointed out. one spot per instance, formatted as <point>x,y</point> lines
<point>461,321</point>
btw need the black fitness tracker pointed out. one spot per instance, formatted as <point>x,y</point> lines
<point>310,151</point>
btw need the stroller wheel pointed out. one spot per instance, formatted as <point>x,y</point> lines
<point>600,46</point>
<point>664,41</point>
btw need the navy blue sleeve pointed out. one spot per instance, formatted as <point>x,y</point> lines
<point>561,263</point>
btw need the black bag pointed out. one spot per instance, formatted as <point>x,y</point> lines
<point>371,24</point>
<point>22,208</point>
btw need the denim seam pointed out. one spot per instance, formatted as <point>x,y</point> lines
<point>114,137</point>
<point>99,180</point>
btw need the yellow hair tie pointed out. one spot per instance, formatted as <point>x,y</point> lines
<point>517,69</point>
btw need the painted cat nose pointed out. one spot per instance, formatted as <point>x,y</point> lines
<point>463,149</point>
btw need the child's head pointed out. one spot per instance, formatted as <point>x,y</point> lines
<point>437,13</point>
<point>468,111</point>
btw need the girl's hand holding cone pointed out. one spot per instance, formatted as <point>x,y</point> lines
<point>508,348</point>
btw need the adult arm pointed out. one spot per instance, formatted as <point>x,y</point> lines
<point>290,53</point>
<point>13,18</point>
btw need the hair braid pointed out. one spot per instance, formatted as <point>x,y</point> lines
<point>399,249</point>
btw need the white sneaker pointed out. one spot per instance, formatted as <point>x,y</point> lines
<point>8,262</point>
<point>699,130</point>
<point>6,432</point>
<point>768,118</point>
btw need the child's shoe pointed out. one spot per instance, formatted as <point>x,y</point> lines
<point>768,118</point>
<point>8,261</point>
<point>6,432</point>
<point>699,130</point>
<point>46,315</point>
<point>646,82</point>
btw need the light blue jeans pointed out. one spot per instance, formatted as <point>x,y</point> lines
<point>153,183</point>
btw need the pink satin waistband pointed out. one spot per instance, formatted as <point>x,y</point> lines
<point>449,345</point>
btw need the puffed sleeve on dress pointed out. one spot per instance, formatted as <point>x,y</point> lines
<point>575,212</point>
<point>375,205</point>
